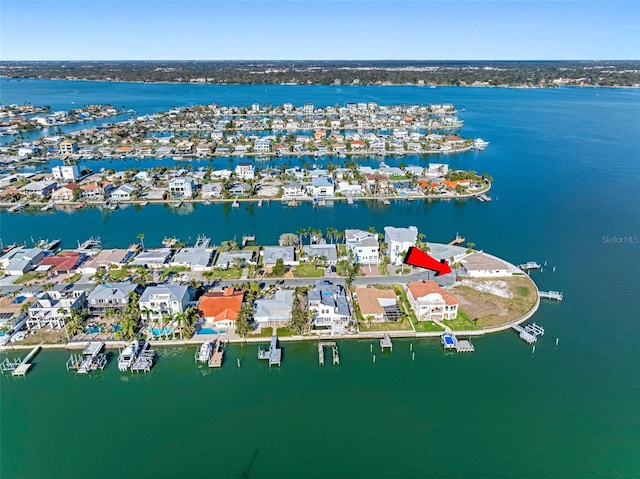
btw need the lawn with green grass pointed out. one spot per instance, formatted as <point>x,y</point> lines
<point>115,275</point>
<point>31,275</point>
<point>231,273</point>
<point>74,279</point>
<point>263,333</point>
<point>404,325</point>
<point>284,331</point>
<point>463,322</point>
<point>427,327</point>
<point>171,270</point>
<point>308,270</point>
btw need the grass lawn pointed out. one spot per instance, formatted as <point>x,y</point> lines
<point>74,279</point>
<point>403,325</point>
<point>463,322</point>
<point>284,331</point>
<point>171,270</point>
<point>308,270</point>
<point>31,275</point>
<point>263,333</point>
<point>116,275</point>
<point>427,327</point>
<point>231,273</point>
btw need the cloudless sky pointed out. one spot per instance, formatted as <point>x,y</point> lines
<point>298,30</point>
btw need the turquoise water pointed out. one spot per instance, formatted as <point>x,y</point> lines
<point>211,331</point>
<point>161,331</point>
<point>566,169</point>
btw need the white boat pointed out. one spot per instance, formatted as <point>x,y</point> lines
<point>205,352</point>
<point>480,144</point>
<point>128,356</point>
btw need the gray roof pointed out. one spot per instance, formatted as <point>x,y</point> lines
<point>176,292</point>
<point>361,238</point>
<point>193,256</point>
<point>331,295</point>
<point>278,308</point>
<point>111,291</point>
<point>327,250</point>
<point>226,258</point>
<point>152,256</point>
<point>273,253</point>
<point>444,251</point>
<point>482,262</point>
<point>402,235</point>
<point>321,181</point>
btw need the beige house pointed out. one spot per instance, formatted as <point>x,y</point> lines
<point>430,301</point>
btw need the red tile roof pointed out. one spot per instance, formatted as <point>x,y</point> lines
<point>63,261</point>
<point>420,289</point>
<point>221,305</point>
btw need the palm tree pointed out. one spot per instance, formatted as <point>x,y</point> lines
<point>141,238</point>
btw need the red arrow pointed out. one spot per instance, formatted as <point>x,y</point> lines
<point>417,257</point>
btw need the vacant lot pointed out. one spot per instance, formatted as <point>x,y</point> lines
<point>497,300</point>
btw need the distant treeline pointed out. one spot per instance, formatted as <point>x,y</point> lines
<point>495,73</point>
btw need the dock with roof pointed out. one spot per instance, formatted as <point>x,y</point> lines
<point>273,354</point>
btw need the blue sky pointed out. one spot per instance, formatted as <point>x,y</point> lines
<point>346,30</point>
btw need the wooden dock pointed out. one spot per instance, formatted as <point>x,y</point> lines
<point>246,239</point>
<point>335,355</point>
<point>457,240</point>
<point>91,359</point>
<point>557,295</point>
<point>218,354</point>
<point>385,342</point>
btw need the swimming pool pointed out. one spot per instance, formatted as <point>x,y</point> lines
<point>161,332</point>
<point>211,331</point>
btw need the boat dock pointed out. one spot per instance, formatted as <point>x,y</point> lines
<point>273,354</point>
<point>218,354</point>
<point>457,240</point>
<point>483,197</point>
<point>529,333</point>
<point>20,367</point>
<point>385,342</point>
<point>449,341</point>
<point>246,239</point>
<point>91,359</point>
<point>529,265</point>
<point>144,361</point>
<point>18,207</point>
<point>349,199</point>
<point>334,350</point>
<point>551,295</point>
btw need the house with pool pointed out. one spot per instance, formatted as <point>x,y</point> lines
<point>219,309</point>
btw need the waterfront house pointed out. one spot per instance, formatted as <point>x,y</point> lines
<point>430,301</point>
<point>112,296</point>
<point>52,308</point>
<point>398,241</point>
<point>20,260</point>
<point>452,254</point>
<point>480,265</point>
<point>221,308</point>
<point>39,189</point>
<point>437,170</point>
<point>125,192</point>
<point>63,263</point>
<point>106,259</point>
<point>13,313</point>
<point>66,193</point>
<point>198,258</point>
<point>164,301</point>
<point>276,312</point>
<point>322,187</point>
<point>68,147</point>
<point>244,171</point>
<point>292,188</point>
<point>363,245</point>
<point>271,254</point>
<point>378,305</point>
<point>326,252</point>
<point>97,191</point>
<point>211,190</point>
<point>181,187</point>
<point>152,258</point>
<point>65,172</point>
<point>262,146</point>
<point>228,259</point>
<point>238,189</point>
<point>329,308</point>
<point>350,189</point>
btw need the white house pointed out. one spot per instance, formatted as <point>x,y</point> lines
<point>125,192</point>
<point>181,187</point>
<point>110,296</point>
<point>480,265</point>
<point>65,173</point>
<point>262,146</point>
<point>329,308</point>
<point>399,240</point>
<point>430,301</point>
<point>245,171</point>
<point>164,301</point>
<point>292,188</point>
<point>274,312</point>
<point>68,147</point>
<point>363,245</point>
<point>40,189</point>
<point>52,308</point>
<point>18,261</point>
<point>322,186</point>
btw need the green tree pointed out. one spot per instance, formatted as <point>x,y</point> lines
<point>279,269</point>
